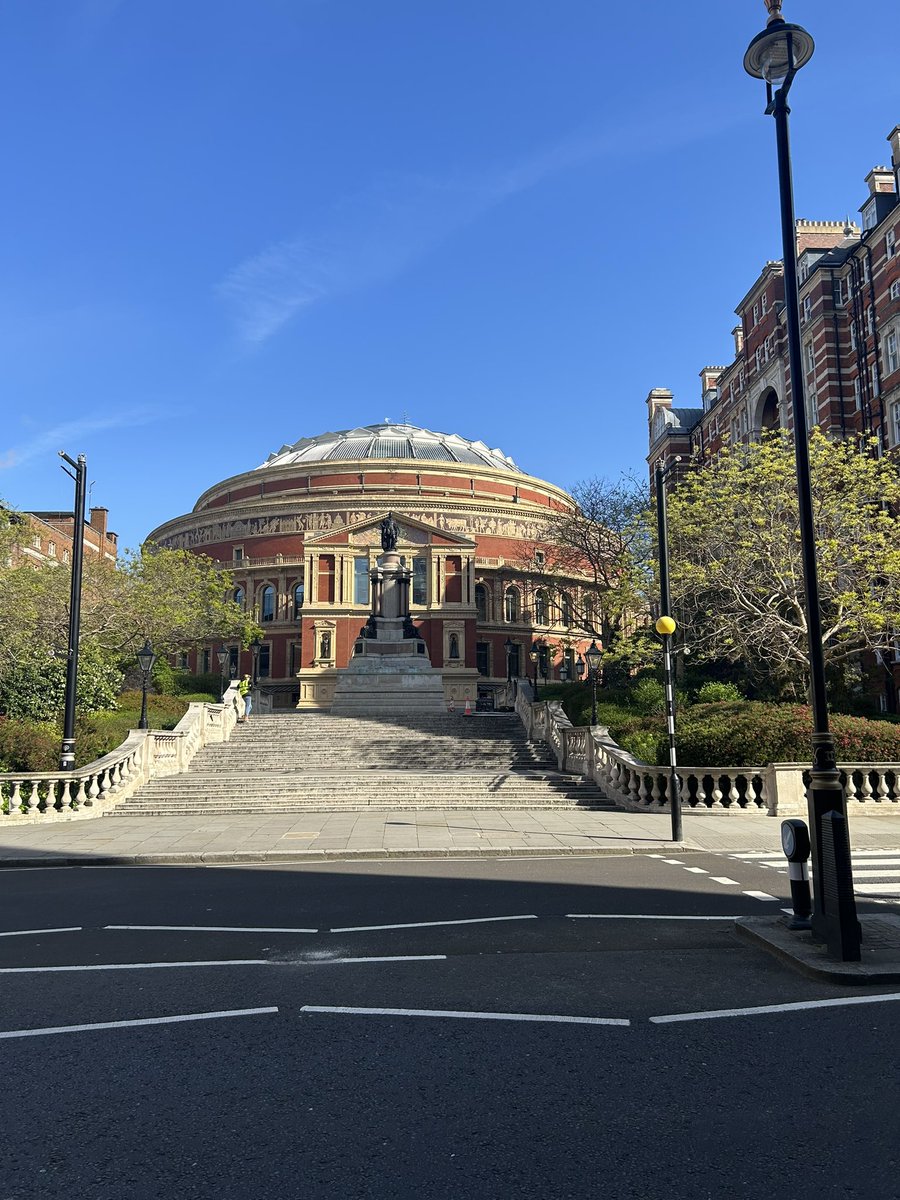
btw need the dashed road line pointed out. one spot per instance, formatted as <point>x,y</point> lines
<point>430,924</point>
<point>800,1006</point>
<point>214,928</point>
<point>649,917</point>
<point>207,1016</point>
<point>149,966</point>
<point>761,896</point>
<point>462,1015</point>
<point>25,932</point>
<point>724,880</point>
<point>696,870</point>
<point>384,958</point>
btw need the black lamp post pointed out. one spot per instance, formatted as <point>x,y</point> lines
<point>776,55</point>
<point>593,656</point>
<point>254,651</point>
<point>564,671</point>
<point>146,658</point>
<point>222,656</point>
<point>535,655</point>
<point>508,647</point>
<point>665,627</point>
<point>67,754</point>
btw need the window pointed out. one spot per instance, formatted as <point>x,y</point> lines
<point>891,351</point>
<point>866,269</point>
<point>870,320</point>
<point>540,608</point>
<point>810,352</point>
<point>853,337</point>
<point>807,308</point>
<point>238,597</point>
<point>51,549</point>
<point>515,661</point>
<point>233,661</point>
<point>481,601</point>
<point>876,381</point>
<point>812,408</point>
<point>483,658</point>
<point>361,580</point>
<point>890,243</point>
<point>264,662</point>
<point>764,303</point>
<point>267,603</point>
<point>539,558</point>
<point>565,609</point>
<point>755,313</point>
<point>838,293</point>
<point>857,393</point>
<point>297,602</point>
<point>237,554</point>
<point>511,604</point>
<point>895,290</point>
<point>895,422</point>
<point>204,662</point>
<point>420,580</point>
<point>741,378</point>
<point>36,543</point>
<point>184,662</point>
<point>65,556</point>
<point>870,217</point>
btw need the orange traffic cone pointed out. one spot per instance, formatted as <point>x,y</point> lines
<point>468,711</point>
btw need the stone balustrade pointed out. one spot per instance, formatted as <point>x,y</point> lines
<point>94,789</point>
<point>774,789</point>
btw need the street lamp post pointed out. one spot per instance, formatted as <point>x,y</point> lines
<point>776,55</point>
<point>146,658</point>
<point>535,655</point>
<point>508,647</point>
<point>593,656</point>
<point>665,627</point>
<point>254,651</point>
<point>67,753</point>
<point>222,655</point>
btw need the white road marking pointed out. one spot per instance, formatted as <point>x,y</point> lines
<point>471,1016</point>
<point>209,1016</point>
<point>696,870</point>
<point>431,924</point>
<point>761,896</point>
<point>235,962</point>
<point>723,879</point>
<point>675,862</point>
<point>326,962</point>
<point>645,917</point>
<point>23,932</point>
<point>773,1008</point>
<point>877,889</point>
<point>891,873</point>
<point>214,928</point>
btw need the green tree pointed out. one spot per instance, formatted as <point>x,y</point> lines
<point>737,574</point>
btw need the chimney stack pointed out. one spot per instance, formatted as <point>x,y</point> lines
<point>738,334</point>
<point>98,520</point>
<point>880,181</point>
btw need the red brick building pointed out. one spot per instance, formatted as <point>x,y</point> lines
<point>48,537</point>
<point>300,534</point>
<point>850,327</point>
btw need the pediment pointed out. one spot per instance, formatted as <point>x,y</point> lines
<point>368,533</point>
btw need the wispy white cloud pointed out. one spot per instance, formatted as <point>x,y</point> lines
<point>374,235</point>
<point>67,434</point>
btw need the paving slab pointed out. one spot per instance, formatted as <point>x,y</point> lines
<point>880,949</point>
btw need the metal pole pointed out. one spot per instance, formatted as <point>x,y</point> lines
<point>665,602</point>
<point>67,754</point>
<point>593,696</point>
<point>674,781</point>
<point>143,721</point>
<point>825,793</point>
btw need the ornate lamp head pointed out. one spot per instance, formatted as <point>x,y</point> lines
<point>778,53</point>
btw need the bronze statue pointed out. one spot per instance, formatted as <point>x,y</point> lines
<point>390,532</point>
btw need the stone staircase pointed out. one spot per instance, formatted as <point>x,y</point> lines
<point>295,762</point>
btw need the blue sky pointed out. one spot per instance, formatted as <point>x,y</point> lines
<point>229,224</point>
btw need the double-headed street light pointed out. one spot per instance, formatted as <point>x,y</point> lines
<point>776,55</point>
<point>146,658</point>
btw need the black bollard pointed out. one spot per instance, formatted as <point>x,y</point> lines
<point>795,843</point>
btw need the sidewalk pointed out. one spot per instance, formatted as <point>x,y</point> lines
<point>315,837</point>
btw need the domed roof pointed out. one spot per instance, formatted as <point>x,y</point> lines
<point>389,440</point>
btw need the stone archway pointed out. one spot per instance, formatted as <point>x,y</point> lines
<point>768,411</point>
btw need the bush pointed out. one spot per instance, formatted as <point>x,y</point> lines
<point>648,697</point>
<point>33,689</point>
<point>754,734</point>
<point>713,692</point>
<point>29,745</point>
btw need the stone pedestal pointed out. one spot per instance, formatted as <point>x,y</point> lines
<point>390,671</point>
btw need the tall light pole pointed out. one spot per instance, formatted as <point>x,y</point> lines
<point>222,655</point>
<point>254,652</point>
<point>508,647</point>
<point>776,55</point>
<point>665,627</point>
<point>67,754</point>
<point>535,655</point>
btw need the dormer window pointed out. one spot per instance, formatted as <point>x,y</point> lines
<point>870,215</point>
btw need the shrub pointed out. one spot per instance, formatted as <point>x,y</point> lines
<point>648,696</point>
<point>29,745</point>
<point>716,692</point>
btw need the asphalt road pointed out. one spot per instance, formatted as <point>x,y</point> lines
<point>284,1092</point>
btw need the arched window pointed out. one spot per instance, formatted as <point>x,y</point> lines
<point>298,601</point>
<point>589,613</point>
<point>481,602</point>
<point>565,609</point>
<point>511,604</point>
<point>267,603</point>
<point>238,597</point>
<point>454,646</point>
<point>540,608</point>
